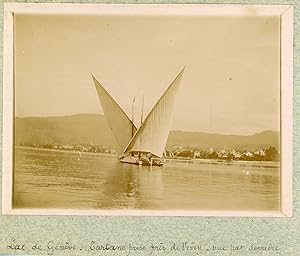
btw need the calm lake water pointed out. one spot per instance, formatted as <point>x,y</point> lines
<point>56,179</point>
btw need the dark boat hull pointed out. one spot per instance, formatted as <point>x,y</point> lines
<point>142,162</point>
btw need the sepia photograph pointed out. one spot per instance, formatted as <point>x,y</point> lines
<point>148,110</point>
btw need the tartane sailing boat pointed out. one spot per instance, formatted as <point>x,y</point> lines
<point>145,145</point>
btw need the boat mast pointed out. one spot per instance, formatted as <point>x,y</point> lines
<point>132,130</point>
<point>142,110</point>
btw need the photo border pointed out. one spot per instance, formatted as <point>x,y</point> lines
<point>286,91</point>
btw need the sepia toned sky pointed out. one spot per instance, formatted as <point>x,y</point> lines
<point>231,84</point>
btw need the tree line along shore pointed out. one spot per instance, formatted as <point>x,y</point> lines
<point>177,152</point>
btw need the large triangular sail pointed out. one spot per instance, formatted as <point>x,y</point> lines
<point>119,123</point>
<point>153,134</point>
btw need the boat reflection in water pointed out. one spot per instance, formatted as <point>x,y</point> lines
<point>136,185</point>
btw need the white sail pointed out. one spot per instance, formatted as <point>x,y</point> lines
<point>119,123</point>
<point>153,134</point>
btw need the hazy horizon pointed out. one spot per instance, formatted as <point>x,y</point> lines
<point>231,84</point>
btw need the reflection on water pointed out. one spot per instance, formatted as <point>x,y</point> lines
<point>56,179</point>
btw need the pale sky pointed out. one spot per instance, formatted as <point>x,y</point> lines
<point>231,84</point>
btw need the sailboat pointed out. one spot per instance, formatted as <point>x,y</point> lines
<point>144,145</point>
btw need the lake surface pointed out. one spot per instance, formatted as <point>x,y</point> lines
<point>57,179</point>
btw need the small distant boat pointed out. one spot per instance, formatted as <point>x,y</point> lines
<point>145,145</point>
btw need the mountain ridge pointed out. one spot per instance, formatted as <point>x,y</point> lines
<point>92,129</point>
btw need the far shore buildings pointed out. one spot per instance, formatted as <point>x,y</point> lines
<point>263,154</point>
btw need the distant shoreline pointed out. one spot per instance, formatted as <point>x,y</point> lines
<point>68,151</point>
<point>267,164</point>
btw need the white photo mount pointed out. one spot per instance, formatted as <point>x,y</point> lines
<point>286,77</point>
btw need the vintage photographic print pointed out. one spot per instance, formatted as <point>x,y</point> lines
<point>148,109</point>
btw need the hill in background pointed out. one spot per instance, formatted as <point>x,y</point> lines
<point>92,129</point>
